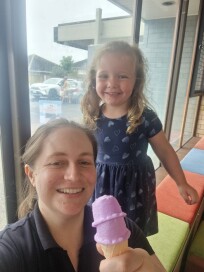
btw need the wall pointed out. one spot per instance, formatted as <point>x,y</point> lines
<point>156,43</point>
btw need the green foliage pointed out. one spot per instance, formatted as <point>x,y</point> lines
<point>67,64</point>
<point>65,68</point>
<point>58,71</point>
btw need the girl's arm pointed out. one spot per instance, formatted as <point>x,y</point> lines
<point>170,161</point>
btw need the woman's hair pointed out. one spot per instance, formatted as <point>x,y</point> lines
<point>33,150</point>
<point>91,102</point>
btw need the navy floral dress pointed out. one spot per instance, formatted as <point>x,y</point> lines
<point>125,171</point>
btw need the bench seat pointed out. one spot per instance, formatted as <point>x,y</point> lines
<point>169,242</point>
<point>170,202</point>
<point>194,161</point>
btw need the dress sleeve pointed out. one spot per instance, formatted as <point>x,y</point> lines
<point>151,122</point>
<point>137,238</point>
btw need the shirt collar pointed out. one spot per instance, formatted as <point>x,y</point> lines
<point>45,236</point>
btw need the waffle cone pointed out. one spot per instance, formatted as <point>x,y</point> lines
<point>115,249</point>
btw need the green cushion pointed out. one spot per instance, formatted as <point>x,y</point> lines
<point>169,241</point>
<point>197,246</point>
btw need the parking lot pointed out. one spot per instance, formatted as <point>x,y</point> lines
<point>43,110</point>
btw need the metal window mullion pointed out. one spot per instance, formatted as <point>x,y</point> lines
<point>15,112</point>
<point>175,64</point>
<point>191,78</point>
<point>136,20</point>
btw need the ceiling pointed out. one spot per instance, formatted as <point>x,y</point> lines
<point>154,9</point>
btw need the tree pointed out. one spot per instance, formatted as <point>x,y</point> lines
<point>58,71</point>
<point>67,64</point>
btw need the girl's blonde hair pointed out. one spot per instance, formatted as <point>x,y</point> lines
<point>91,102</point>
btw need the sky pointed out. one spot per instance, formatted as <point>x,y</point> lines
<point>43,15</point>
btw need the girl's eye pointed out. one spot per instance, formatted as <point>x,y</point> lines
<point>102,76</point>
<point>123,76</point>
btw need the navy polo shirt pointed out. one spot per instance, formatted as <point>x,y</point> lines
<point>27,245</point>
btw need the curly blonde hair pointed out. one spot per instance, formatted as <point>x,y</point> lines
<point>90,104</point>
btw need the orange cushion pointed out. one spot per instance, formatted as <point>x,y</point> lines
<point>170,202</point>
<point>200,144</point>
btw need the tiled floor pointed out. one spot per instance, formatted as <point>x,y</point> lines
<point>161,172</point>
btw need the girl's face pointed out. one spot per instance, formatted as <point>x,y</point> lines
<point>64,174</point>
<point>115,78</point>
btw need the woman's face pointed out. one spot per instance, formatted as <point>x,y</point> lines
<point>64,173</point>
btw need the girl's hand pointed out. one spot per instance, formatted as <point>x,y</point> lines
<point>133,260</point>
<point>188,193</point>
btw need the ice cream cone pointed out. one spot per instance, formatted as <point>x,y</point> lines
<point>112,233</point>
<point>114,250</point>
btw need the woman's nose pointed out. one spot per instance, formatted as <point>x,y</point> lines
<point>71,172</point>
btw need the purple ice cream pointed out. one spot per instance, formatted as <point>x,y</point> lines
<point>109,221</point>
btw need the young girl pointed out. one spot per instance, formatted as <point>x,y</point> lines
<point>115,107</point>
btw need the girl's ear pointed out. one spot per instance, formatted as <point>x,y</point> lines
<point>30,174</point>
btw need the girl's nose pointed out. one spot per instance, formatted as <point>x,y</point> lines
<point>71,173</point>
<point>112,82</point>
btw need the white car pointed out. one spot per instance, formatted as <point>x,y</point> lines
<point>49,89</point>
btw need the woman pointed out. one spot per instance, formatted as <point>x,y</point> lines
<point>55,233</point>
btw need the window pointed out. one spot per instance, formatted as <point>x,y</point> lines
<point>61,41</point>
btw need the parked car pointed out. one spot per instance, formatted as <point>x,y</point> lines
<point>49,89</point>
<point>77,92</point>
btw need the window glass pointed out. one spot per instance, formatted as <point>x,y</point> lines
<point>184,76</point>
<point>156,39</point>
<point>61,40</point>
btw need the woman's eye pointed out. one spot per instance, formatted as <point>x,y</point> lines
<point>56,164</point>
<point>85,163</point>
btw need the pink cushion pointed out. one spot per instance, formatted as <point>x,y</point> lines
<point>171,203</point>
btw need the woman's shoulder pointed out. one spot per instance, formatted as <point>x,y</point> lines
<point>17,246</point>
<point>137,238</point>
<point>16,229</point>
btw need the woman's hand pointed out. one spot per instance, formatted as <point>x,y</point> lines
<point>133,260</point>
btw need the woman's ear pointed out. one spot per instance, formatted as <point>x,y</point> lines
<point>30,174</point>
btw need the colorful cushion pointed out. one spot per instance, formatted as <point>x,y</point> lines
<point>170,239</point>
<point>194,161</point>
<point>170,202</point>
